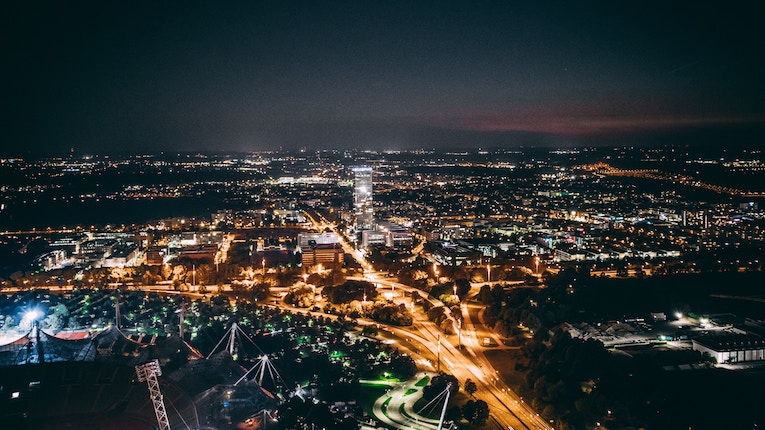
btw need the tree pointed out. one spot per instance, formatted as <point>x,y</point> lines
<point>500,327</point>
<point>435,313</point>
<point>438,384</point>
<point>17,278</point>
<point>349,291</point>
<point>463,286</point>
<point>338,277</point>
<point>498,292</point>
<point>261,291</point>
<point>476,412</point>
<point>301,296</point>
<point>202,274</point>
<point>57,318</point>
<point>478,275</point>
<point>179,272</point>
<point>470,387</point>
<point>320,415</point>
<point>369,331</point>
<point>167,271</point>
<point>453,414</point>
<point>485,295</point>
<point>403,366</point>
<point>448,326</point>
<point>117,274</point>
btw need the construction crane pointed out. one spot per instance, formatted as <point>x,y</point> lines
<point>148,372</point>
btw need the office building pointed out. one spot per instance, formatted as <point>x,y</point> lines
<point>362,198</point>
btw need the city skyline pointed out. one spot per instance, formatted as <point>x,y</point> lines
<point>561,288</point>
<point>394,75</point>
<point>543,216</point>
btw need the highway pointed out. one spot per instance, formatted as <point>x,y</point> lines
<point>508,410</point>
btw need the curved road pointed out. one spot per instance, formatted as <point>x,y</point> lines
<point>507,408</point>
<point>396,407</point>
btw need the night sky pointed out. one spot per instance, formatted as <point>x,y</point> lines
<point>202,76</point>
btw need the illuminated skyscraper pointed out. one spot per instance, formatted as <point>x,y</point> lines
<point>362,198</point>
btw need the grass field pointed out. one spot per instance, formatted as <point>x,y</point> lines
<point>368,395</point>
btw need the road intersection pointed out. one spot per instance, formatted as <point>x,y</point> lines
<point>465,360</point>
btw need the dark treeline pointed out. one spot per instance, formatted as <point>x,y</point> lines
<point>578,383</point>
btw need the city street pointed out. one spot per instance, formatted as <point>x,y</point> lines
<point>396,407</point>
<point>508,410</point>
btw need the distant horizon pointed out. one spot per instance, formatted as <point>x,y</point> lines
<point>721,136</point>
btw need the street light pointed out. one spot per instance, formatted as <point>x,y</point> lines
<point>459,333</point>
<point>438,356</point>
<point>488,274</point>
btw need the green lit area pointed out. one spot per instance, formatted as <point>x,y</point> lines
<point>389,377</point>
<point>423,382</point>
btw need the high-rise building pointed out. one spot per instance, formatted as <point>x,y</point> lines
<point>362,198</point>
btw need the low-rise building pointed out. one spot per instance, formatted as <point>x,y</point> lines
<point>155,255</point>
<point>731,348</point>
<point>200,252</point>
<point>330,253</point>
<point>123,255</point>
<point>372,238</point>
<point>51,260</point>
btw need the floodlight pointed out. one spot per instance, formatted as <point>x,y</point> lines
<point>32,315</point>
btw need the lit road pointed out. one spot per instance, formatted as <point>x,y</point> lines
<point>470,363</point>
<point>508,410</point>
<point>432,350</point>
<point>396,407</point>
